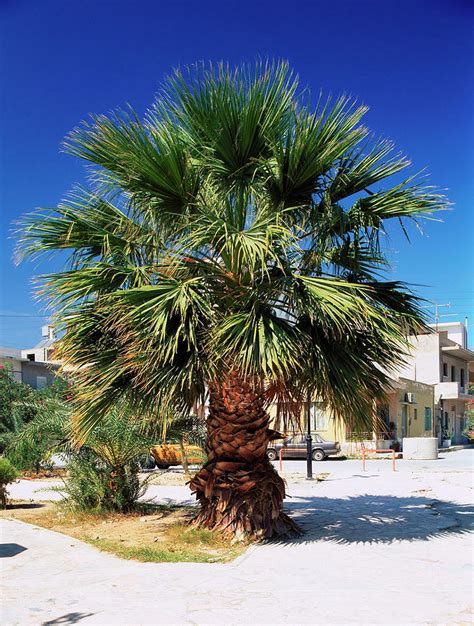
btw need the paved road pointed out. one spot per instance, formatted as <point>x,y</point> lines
<point>379,547</point>
<point>462,460</point>
<point>293,471</point>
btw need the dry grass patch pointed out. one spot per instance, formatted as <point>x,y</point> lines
<point>168,477</point>
<point>158,534</point>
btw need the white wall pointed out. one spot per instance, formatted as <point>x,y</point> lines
<point>40,354</point>
<point>423,363</point>
<point>456,332</point>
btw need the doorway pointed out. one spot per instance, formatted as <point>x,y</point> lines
<point>404,421</point>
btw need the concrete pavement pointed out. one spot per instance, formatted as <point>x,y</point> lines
<point>379,547</point>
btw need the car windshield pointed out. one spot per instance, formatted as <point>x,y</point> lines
<point>302,438</point>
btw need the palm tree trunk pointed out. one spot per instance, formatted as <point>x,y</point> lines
<point>239,491</point>
<point>184,458</point>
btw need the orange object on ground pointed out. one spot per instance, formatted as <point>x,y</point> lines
<point>364,453</point>
<point>169,454</point>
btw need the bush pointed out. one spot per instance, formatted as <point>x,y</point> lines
<point>11,392</point>
<point>104,473</point>
<point>8,474</point>
<point>20,404</point>
<point>30,447</point>
<point>94,485</point>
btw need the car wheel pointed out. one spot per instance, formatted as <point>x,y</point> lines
<point>272,455</point>
<point>318,455</point>
<point>162,466</point>
<point>147,463</point>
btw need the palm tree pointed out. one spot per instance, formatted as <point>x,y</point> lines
<point>228,250</point>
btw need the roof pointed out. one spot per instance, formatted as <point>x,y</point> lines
<point>11,353</point>
<point>450,324</point>
<point>47,364</point>
<point>459,351</point>
<point>45,343</point>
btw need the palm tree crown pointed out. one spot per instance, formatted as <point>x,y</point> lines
<point>234,228</point>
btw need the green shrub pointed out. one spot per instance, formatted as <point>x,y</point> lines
<point>104,473</point>
<point>20,404</point>
<point>30,447</point>
<point>94,485</point>
<point>8,474</point>
<point>11,392</point>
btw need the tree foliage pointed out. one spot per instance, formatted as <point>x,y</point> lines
<point>235,227</point>
<point>11,391</point>
<point>43,435</point>
<point>8,474</point>
<point>20,403</point>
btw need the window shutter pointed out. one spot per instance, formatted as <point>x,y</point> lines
<point>427,418</point>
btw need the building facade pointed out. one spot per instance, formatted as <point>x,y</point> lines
<point>437,359</point>
<point>408,412</point>
<point>33,366</point>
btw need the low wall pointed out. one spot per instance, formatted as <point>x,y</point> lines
<point>420,448</point>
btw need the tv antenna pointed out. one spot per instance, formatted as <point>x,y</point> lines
<point>436,311</point>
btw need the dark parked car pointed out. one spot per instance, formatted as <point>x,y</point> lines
<point>295,448</point>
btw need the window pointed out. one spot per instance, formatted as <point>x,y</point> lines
<point>462,377</point>
<point>453,374</point>
<point>41,382</point>
<point>319,417</point>
<point>445,369</point>
<point>30,357</point>
<point>415,413</point>
<point>427,418</point>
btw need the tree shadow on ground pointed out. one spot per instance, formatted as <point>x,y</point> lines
<point>68,618</point>
<point>377,519</point>
<point>8,550</point>
<point>11,506</point>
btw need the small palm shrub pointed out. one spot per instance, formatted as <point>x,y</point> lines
<point>8,474</point>
<point>104,472</point>
<point>95,485</point>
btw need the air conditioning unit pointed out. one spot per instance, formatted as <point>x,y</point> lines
<point>410,398</point>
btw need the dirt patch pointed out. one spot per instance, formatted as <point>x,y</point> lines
<point>159,533</point>
<point>300,478</point>
<point>170,477</point>
<point>44,474</point>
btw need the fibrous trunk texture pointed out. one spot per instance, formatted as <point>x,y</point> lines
<point>240,493</point>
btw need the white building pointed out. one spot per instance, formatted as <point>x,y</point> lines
<point>43,351</point>
<point>442,359</point>
<point>35,366</point>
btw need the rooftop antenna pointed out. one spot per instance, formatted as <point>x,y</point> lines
<point>436,308</point>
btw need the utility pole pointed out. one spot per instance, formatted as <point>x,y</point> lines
<point>309,441</point>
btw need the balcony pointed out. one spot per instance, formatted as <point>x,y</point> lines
<point>452,391</point>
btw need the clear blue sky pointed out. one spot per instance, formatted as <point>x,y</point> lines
<point>411,61</point>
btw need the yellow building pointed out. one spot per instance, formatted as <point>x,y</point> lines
<point>408,412</point>
<point>410,409</point>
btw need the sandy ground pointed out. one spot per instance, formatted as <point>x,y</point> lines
<point>379,547</point>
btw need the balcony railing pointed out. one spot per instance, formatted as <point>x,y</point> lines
<point>451,390</point>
